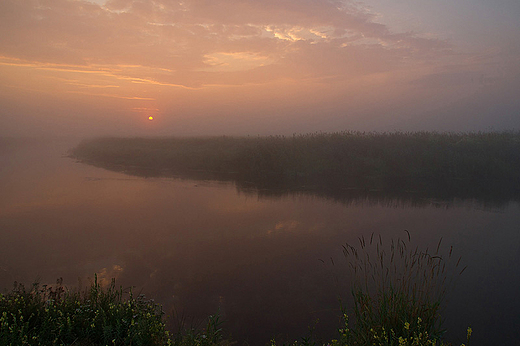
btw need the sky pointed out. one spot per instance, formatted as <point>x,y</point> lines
<point>257,67</point>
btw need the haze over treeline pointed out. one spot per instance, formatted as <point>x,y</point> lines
<point>240,67</point>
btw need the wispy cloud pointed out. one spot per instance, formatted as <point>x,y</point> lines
<point>183,39</point>
<point>112,95</point>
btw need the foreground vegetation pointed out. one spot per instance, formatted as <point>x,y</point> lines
<point>464,164</point>
<point>397,293</point>
<point>46,315</point>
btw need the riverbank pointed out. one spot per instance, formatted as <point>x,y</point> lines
<point>429,164</point>
<point>403,309</point>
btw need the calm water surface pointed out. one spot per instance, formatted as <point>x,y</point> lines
<point>265,263</point>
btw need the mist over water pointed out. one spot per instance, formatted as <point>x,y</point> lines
<point>263,260</point>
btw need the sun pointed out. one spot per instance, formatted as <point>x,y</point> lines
<point>150,118</point>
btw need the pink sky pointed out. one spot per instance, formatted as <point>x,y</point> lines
<point>248,67</point>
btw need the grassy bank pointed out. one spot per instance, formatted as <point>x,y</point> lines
<point>397,294</point>
<point>52,315</point>
<point>460,164</point>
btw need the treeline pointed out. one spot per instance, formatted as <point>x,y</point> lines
<point>484,162</point>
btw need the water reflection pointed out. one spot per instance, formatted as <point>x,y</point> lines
<point>264,259</point>
<point>408,191</point>
<point>362,197</point>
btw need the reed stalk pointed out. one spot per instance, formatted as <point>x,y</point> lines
<point>398,291</point>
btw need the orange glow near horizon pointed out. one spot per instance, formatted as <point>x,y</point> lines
<point>218,67</point>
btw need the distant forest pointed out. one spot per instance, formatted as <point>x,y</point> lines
<point>466,165</point>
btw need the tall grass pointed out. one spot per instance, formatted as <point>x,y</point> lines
<point>469,163</point>
<point>209,334</point>
<point>398,291</point>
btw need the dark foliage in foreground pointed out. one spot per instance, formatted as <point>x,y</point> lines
<point>397,293</point>
<point>54,316</point>
<point>469,164</point>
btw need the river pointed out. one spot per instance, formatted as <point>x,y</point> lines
<point>271,265</point>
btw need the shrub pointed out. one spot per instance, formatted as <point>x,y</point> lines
<point>55,316</point>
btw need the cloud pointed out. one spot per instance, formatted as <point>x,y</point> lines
<point>198,35</point>
<point>230,61</point>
